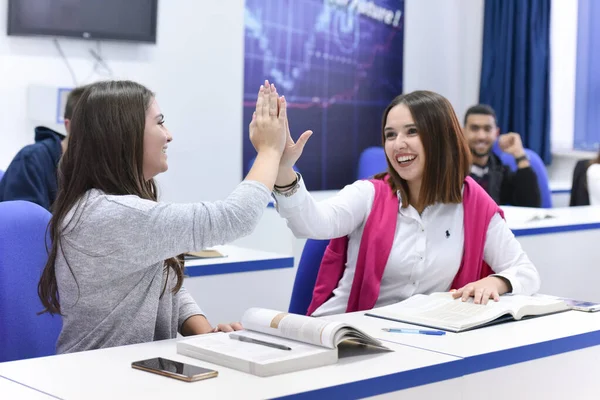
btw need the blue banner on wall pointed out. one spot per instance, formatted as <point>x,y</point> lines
<point>338,63</point>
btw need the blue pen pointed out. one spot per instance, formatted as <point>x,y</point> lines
<point>419,331</point>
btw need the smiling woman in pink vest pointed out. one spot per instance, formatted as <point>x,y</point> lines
<point>423,226</point>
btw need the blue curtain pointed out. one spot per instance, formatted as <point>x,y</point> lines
<point>587,84</point>
<point>515,70</point>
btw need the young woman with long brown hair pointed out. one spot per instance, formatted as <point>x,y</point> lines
<point>113,272</point>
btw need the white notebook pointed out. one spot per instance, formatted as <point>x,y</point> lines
<point>313,342</point>
<point>441,311</point>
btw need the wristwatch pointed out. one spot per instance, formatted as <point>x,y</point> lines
<point>522,158</point>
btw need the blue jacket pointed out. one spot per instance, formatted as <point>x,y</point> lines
<point>31,175</point>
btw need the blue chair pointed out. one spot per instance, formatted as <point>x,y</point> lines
<point>23,333</point>
<point>372,161</point>
<point>306,276</point>
<point>540,171</point>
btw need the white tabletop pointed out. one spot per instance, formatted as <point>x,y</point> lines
<point>238,259</point>
<point>107,374</point>
<point>560,186</point>
<point>523,220</point>
<point>540,335</point>
<point>13,390</point>
<point>417,360</point>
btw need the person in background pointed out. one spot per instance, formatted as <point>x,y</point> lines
<point>423,226</point>
<point>586,183</point>
<point>114,272</point>
<point>586,179</point>
<point>31,175</point>
<point>518,188</point>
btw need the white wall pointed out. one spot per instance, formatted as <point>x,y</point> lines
<point>25,61</point>
<point>443,45</point>
<point>443,42</point>
<point>563,57</point>
<point>196,69</point>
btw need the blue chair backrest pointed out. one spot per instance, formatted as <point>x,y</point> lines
<point>306,276</point>
<point>540,171</point>
<point>372,161</point>
<point>23,333</point>
<point>1,173</point>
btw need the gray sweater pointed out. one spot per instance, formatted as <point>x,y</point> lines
<point>116,247</point>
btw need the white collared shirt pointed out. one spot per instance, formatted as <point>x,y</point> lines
<point>427,249</point>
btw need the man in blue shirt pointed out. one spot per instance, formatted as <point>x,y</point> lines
<point>31,175</point>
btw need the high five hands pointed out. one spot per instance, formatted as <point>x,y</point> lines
<point>270,106</point>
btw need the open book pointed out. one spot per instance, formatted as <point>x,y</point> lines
<point>305,342</point>
<point>441,311</point>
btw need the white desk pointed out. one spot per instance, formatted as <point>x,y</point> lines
<point>562,248</point>
<point>556,354</point>
<point>12,390</point>
<point>224,287</point>
<point>551,357</point>
<point>561,193</point>
<point>107,374</point>
<point>237,260</point>
<point>564,219</point>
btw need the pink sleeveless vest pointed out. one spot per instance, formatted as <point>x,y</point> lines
<point>376,244</point>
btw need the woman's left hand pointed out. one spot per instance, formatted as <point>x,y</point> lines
<point>292,150</point>
<point>234,326</point>
<point>482,290</point>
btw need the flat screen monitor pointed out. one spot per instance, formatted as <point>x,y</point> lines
<point>128,20</point>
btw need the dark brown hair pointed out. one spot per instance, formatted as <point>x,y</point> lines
<point>72,99</point>
<point>447,155</point>
<point>480,109</point>
<point>106,151</point>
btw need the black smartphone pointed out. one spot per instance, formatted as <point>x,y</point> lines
<point>175,369</point>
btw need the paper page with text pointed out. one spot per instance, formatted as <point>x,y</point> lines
<point>443,311</point>
<point>519,305</point>
<point>532,305</point>
<point>292,326</point>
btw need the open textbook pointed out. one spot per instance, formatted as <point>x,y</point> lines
<point>441,311</point>
<point>304,342</point>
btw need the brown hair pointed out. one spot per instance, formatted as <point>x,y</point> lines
<point>72,100</point>
<point>106,152</point>
<point>447,155</point>
<point>480,109</point>
<point>595,160</point>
